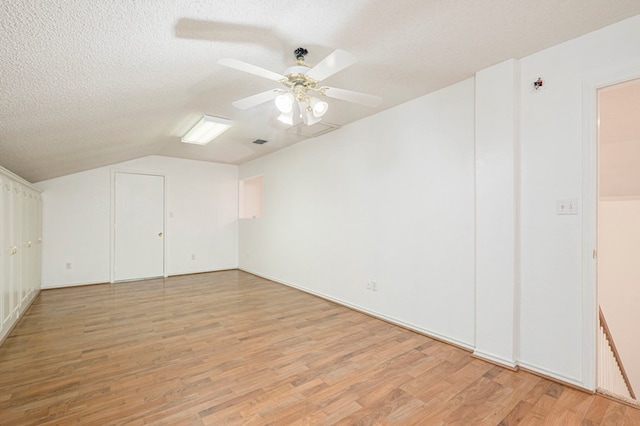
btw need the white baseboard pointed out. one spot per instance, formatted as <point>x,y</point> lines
<point>554,375</point>
<point>203,271</point>
<point>64,285</point>
<point>173,274</point>
<point>508,363</point>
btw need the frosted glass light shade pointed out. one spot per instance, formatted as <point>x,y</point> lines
<point>284,102</point>
<point>206,130</point>
<point>286,118</point>
<point>319,107</point>
<point>306,113</point>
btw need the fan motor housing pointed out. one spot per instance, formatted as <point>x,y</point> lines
<point>300,53</point>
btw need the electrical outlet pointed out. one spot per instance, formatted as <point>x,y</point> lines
<point>193,256</point>
<point>67,265</point>
<point>372,285</point>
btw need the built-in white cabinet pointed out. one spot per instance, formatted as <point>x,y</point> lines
<point>20,247</point>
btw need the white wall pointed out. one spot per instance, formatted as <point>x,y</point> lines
<point>619,278</point>
<point>202,200</point>
<point>389,198</point>
<point>553,322</point>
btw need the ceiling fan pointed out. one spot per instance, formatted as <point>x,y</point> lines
<point>302,86</point>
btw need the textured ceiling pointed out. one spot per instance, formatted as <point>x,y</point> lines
<point>87,83</point>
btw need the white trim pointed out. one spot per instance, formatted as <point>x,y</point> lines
<point>590,216</point>
<point>135,280</point>
<point>517,221</point>
<point>65,285</point>
<point>620,198</point>
<point>87,283</point>
<point>475,210</point>
<point>112,230</point>
<point>427,332</point>
<point>204,271</point>
<point>555,375</point>
<point>509,363</point>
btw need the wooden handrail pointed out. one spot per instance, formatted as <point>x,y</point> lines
<point>616,355</point>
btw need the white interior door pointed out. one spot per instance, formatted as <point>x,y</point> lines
<point>139,226</point>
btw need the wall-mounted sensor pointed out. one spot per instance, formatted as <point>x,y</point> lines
<point>538,84</point>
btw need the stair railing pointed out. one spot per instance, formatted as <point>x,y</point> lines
<point>606,376</point>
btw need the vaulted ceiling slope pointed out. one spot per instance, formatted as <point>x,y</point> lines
<point>85,84</point>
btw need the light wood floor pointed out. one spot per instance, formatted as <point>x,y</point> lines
<point>231,348</point>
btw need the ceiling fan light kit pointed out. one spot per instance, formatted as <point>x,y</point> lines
<point>301,81</point>
<point>319,107</point>
<point>284,102</point>
<point>286,117</point>
<point>206,129</point>
<point>306,113</point>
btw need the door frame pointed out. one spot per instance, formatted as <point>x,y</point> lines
<point>112,229</point>
<point>590,215</point>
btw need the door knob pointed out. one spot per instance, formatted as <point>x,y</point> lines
<point>159,234</point>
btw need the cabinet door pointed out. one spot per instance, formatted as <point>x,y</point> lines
<point>32,242</point>
<point>24,257</point>
<point>39,242</point>
<point>20,228</point>
<point>16,239</point>
<point>6,257</point>
<point>3,284</point>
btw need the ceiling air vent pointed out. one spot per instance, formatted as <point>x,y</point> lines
<point>259,141</point>
<point>312,131</point>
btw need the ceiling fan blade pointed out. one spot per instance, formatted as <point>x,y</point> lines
<point>336,61</point>
<point>251,69</point>
<point>260,98</point>
<point>351,96</point>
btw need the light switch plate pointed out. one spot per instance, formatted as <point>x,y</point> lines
<point>566,207</point>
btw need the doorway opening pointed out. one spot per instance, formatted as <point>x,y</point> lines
<point>618,240</point>
<point>251,191</point>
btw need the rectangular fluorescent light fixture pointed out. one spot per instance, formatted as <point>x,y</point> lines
<point>206,130</point>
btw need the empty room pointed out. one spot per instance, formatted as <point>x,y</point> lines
<point>356,212</point>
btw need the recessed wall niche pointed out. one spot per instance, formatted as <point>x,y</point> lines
<point>251,197</point>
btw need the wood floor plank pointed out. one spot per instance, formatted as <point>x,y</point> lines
<point>230,348</point>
